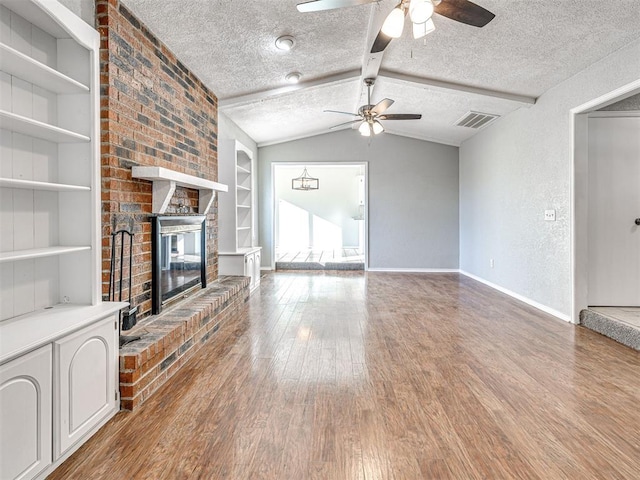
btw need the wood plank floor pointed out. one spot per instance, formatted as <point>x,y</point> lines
<point>351,375</point>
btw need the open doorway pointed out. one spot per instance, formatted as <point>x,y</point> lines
<point>606,200</point>
<point>323,228</point>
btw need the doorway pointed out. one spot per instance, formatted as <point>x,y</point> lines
<point>606,203</point>
<point>323,228</point>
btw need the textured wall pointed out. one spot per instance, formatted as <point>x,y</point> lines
<point>627,105</point>
<point>154,111</point>
<point>518,167</point>
<point>413,195</point>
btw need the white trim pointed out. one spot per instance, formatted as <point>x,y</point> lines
<point>524,100</point>
<point>337,79</point>
<point>517,296</point>
<point>614,114</point>
<point>415,270</point>
<point>579,256</point>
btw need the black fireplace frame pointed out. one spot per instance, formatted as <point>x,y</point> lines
<point>156,253</point>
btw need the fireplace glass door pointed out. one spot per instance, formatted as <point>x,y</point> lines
<point>179,257</point>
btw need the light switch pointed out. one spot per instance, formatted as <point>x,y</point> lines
<point>550,215</point>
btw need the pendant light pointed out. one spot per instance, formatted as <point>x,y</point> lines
<point>394,23</point>
<point>305,182</point>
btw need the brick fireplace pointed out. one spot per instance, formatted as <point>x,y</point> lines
<point>154,112</point>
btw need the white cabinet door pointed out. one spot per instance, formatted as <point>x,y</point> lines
<point>255,275</point>
<point>85,388</point>
<point>248,268</point>
<point>25,415</point>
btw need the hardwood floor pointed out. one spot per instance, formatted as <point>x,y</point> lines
<point>347,375</point>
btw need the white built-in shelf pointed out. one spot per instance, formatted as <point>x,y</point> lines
<point>244,206</point>
<point>165,182</point>
<point>243,170</point>
<point>27,332</point>
<point>39,253</point>
<point>240,187</point>
<point>244,228</point>
<point>22,66</point>
<point>34,128</point>
<point>33,185</point>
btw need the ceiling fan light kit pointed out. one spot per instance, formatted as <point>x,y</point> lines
<point>422,29</point>
<point>420,10</point>
<point>394,23</point>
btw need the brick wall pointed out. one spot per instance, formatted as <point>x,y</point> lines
<point>154,111</point>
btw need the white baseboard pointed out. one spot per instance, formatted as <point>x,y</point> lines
<point>414,270</point>
<point>517,296</point>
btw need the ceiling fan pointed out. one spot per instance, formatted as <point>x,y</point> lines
<point>420,12</point>
<point>369,115</point>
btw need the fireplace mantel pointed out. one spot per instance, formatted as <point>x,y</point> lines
<point>165,182</point>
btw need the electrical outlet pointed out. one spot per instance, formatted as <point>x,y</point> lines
<point>550,215</point>
<point>491,263</point>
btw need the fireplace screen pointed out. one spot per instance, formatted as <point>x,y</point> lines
<point>179,258</point>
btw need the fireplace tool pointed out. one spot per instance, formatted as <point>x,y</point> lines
<point>128,317</point>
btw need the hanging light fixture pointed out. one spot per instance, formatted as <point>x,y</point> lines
<point>305,182</point>
<point>394,23</point>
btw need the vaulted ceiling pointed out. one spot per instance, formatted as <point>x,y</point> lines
<point>531,46</point>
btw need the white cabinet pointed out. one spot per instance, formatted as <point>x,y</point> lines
<point>85,364</point>
<point>25,415</point>
<point>245,263</point>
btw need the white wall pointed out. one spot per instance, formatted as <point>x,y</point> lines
<point>85,9</point>
<point>514,170</point>
<point>336,201</point>
<point>413,195</point>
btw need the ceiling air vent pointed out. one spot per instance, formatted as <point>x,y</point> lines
<point>476,120</point>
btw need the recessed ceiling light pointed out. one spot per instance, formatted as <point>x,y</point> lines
<point>285,42</point>
<point>293,77</point>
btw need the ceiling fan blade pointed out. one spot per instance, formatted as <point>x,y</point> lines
<point>381,106</point>
<point>344,113</point>
<point>465,11</point>
<point>380,43</point>
<point>345,123</point>
<point>400,116</point>
<point>319,5</point>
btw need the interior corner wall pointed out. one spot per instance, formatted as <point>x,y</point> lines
<point>412,195</point>
<point>514,170</point>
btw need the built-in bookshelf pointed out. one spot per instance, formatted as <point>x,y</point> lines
<point>58,340</point>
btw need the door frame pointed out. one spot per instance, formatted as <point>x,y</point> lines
<point>580,192</point>
<point>274,165</point>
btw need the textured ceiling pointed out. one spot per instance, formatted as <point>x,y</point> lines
<point>528,48</point>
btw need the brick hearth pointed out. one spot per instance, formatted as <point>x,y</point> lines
<point>170,339</point>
